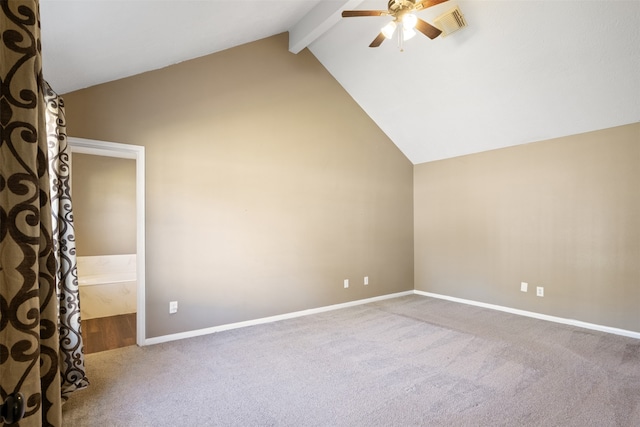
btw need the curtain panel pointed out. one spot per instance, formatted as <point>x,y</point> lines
<point>32,330</point>
<point>64,246</point>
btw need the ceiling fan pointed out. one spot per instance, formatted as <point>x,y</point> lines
<point>403,15</point>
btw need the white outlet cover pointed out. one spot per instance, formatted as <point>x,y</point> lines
<point>540,291</point>
<point>173,307</point>
<point>346,283</point>
<point>524,286</point>
<point>366,280</point>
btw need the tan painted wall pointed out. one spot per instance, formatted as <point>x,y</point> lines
<point>267,185</point>
<point>104,204</point>
<point>563,214</point>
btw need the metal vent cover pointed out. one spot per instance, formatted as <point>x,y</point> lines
<point>450,22</point>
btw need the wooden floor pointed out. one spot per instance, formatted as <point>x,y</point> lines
<point>107,333</point>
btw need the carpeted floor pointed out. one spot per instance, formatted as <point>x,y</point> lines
<point>409,361</point>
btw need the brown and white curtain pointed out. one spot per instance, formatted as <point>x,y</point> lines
<point>40,340</point>
<point>64,246</point>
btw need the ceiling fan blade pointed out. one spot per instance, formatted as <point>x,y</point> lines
<point>428,3</point>
<point>377,41</point>
<point>427,29</point>
<point>351,13</point>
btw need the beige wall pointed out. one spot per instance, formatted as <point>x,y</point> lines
<point>104,204</point>
<point>563,214</point>
<point>267,185</point>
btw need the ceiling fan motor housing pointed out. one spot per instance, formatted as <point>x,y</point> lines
<point>397,6</point>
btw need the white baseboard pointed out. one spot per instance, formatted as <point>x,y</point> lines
<point>572,322</point>
<point>214,329</point>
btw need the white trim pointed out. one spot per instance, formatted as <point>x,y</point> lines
<point>221,328</point>
<point>572,322</point>
<point>136,152</point>
<point>107,279</point>
<point>214,329</point>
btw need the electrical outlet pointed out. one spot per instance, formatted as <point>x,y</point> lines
<point>540,291</point>
<point>346,283</point>
<point>366,280</point>
<point>173,307</point>
<point>524,286</point>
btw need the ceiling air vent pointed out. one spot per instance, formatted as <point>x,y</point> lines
<point>450,21</point>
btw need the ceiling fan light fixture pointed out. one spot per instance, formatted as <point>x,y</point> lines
<point>408,33</point>
<point>409,21</point>
<point>389,29</point>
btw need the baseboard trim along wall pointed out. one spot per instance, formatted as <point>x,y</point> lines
<point>212,330</point>
<point>571,322</point>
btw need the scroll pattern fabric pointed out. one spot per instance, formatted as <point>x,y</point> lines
<point>64,247</point>
<point>29,340</point>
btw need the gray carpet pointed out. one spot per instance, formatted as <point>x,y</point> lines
<point>410,361</point>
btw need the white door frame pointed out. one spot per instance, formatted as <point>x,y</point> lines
<point>136,152</point>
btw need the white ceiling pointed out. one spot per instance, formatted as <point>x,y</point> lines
<point>522,71</point>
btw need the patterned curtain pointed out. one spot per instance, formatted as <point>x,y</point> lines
<point>64,247</point>
<point>30,360</point>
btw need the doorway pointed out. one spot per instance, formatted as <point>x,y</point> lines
<point>125,151</point>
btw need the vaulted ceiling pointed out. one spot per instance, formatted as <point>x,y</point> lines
<point>521,71</point>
